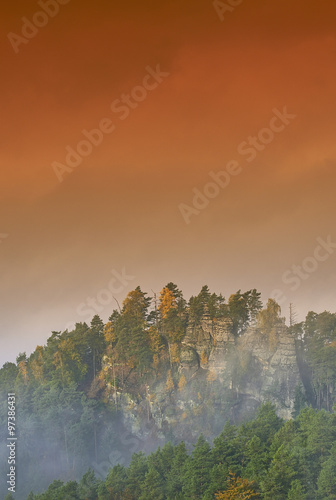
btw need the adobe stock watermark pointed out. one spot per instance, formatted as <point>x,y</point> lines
<point>250,149</point>
<point>130,443</point>
<point>30,28</point>
<point>294,276</point>
<point>123,108</point>
<point>228,6</point>
<point>96,304</point>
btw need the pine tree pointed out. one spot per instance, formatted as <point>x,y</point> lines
<point>167,302</point>
<point>116,481</point>
<point>197,474</point>
<point>175,474</point>
<point>238,308</point>
<point>327,477</point>
<point>297,491</point>
<point>280,474</point>
<point>136,473</point>
<point>133,340</point>
<point>88,486</point>
<point>153,486</point>
<point>96,342</point>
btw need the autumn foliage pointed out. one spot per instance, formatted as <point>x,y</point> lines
<point>238,489</point>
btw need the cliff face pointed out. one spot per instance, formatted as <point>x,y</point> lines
<point>218,378</point>
<point>256,366</point>
<point>278,369</point>
<point>211,341</point>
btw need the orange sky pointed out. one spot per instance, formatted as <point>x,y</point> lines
<point>120,207</point>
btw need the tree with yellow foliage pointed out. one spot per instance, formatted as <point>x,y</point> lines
<point>23,370</point>
<point>36,363</point>
<point>204,358</point>
<point>109,333</point>
<point>238,489</point>
<point>269,317</point>
<point>269,321</point>
<point>175,352</point>
<point>170,382</point>
<point>155,340</point>
<point>182,382</point>
<point>135,305</point>
<point>172,321</point>
<point>167,302</point>
<point>67,361</point>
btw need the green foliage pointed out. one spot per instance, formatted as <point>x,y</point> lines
<point>9,496</point>
<point>132,340</point>
<point>265,458</point>
<point>238,306</point>
<point>137,471</point>
<point>269,322</point>
<point>198,469</point>
<point>175,472</point>
<point>318,348</point>
<point>297,491</point>
<point>300,401</point>
<point>72,386</point>
<point>228,449</point>
<point>116,481</point>
<point>8,374</point>
<point>153,486</point>
<point>327,478</point>
<point>243,309</point>
<point>88,486</point>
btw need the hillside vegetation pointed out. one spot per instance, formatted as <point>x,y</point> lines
<point>167,370</point>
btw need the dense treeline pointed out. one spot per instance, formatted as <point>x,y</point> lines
<point>68,390</point>
<point>266,458</point>
<point>316,346</point>
<point>139,343</point>
<point>136,338</point>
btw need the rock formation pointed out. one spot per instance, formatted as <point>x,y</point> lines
<point>226,378</point>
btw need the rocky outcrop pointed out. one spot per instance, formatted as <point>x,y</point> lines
<point>279,373</point>
<point>210,340</point>
<point>225,378</point>
<point>269,361</point>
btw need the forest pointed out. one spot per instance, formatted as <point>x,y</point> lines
<point>265,458</point>
<point>71,397</point>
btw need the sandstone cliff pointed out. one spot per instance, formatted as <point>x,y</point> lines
<point>225,378</point>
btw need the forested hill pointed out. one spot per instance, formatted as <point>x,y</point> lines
<point>161,369</point>
<point>266,458</point>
